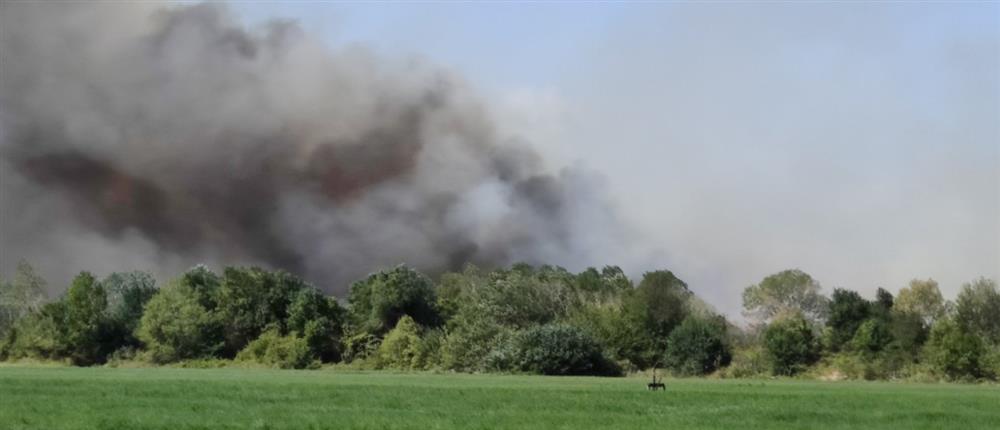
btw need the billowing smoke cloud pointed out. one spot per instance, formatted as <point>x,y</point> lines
<point>151,137</point>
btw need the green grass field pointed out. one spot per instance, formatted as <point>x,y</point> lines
<point>162,398</point>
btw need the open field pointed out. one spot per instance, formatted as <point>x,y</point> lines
<point>162,398</point>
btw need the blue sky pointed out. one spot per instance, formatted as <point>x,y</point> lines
<point>858,142</point>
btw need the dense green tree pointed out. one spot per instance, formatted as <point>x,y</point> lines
<point>176,326</point>
<point>654,309</point>
<point>698,346</point>
<point>848,310</point>
<point>790,344</point>
<point>319,320</point>
<point>518,300</point>
<point>401,347</point>
<point>954,352</point>
<point>615,280</point>
<point>41,334</point>
<point>87,327</point>
<point>204,283</point>
<point>250,300</point>
<point>624,339</point>
<point>555,349</point>
<point>871,337</point>
<point>468,339</point>
<point>789,291</point>
<point>589,281</point>
<point>883,303</point>
<point>380,300</point>
<point>977,309</point>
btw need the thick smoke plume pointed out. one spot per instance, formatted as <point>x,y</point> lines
<point>160,137</point>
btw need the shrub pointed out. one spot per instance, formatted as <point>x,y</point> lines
<point>790,345</point>
<point>954,352</point>
<point>750,362</point>
<point>468,341</point>
<point>175,326</point>
<point>39,335</point>
<point>400,349</point>
<point>557,349</point>
<point>360,347</point>
<point>698,346</point>
<point>274,350</point>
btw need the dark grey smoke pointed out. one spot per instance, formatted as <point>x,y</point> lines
<point>160,137</point>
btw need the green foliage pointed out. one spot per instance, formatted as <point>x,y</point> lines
<point>848,310</point>
<point>553,349</point>
<point>204,283</point>
<point>319,320</point>
<point>519,300</point>
<point>977,309</point>
<point>871,337</point>
<point>790,344</point>
<point>176,326</point>
<point>250,299</point>
<point>883,303</point>
<point>127,294</point>
<point>521,319</point>
<point>610,281</point>
<point>86,323</point>
<point>360,346</point>
<point>380,300</point>
<point>908,332</point>
<point>954,352</point>
<point>401,347</point>
<point>39,335</point>
<point>281,352</point>
<point>468,340</point>
<point>653,310</point>
<point>789,291</point>
<point>698,346</point>
<point>624,339</point>
<point>921,298</point>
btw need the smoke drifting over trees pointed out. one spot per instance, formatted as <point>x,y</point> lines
<point>146,136</point>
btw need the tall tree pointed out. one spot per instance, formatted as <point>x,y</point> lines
<point>86,322</point>
<point>791,344</point>
<point>21,296</point>
<point>381,299</point>
<point>977,309</point>
<point>789,291</point>
<point>127,293</point>
<point>921,298</point>
<point>848,310</point>
<point>654,309</point>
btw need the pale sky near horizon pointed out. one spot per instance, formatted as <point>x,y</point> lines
<point>857,142</point>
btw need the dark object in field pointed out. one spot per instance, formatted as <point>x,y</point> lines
<point>657,384</point>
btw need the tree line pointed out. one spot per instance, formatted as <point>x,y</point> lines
<point>543,320</point>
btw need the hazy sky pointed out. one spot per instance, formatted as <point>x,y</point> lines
<point>858,142</point>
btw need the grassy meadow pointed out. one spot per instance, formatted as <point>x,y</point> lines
<point>171,398</point>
